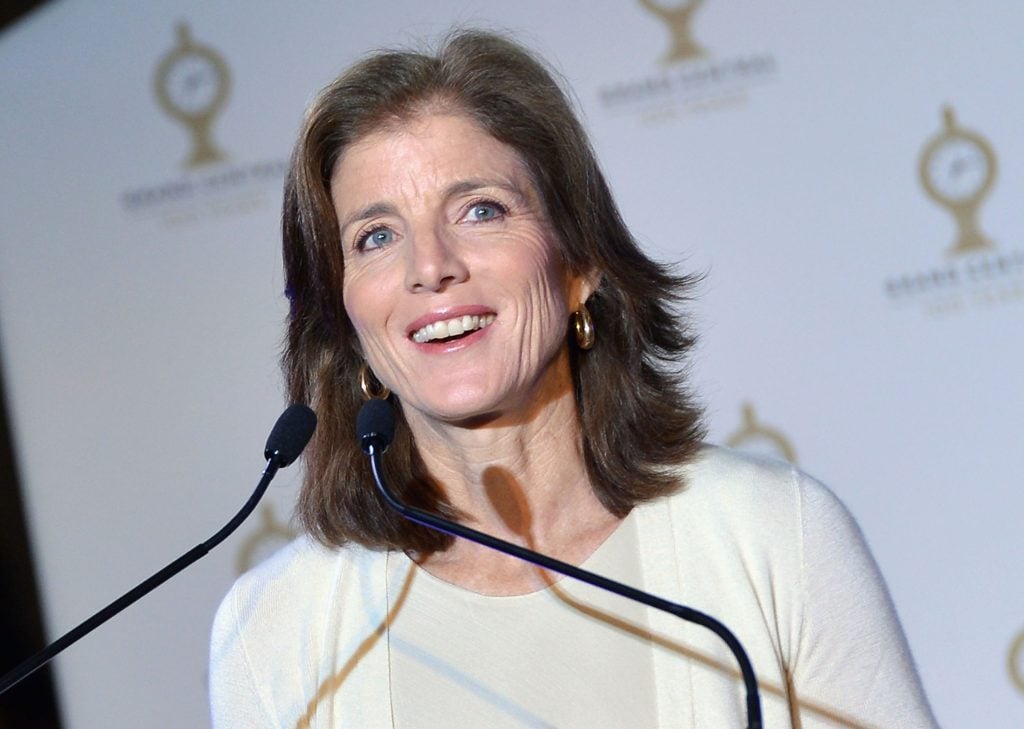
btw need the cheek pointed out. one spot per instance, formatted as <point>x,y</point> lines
<point>350,299</point>
<point>548,303</point>
<point>369,302</point>
<point>552,284</point>
<point>359,306</point>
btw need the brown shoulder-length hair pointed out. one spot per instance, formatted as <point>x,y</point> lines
<point>638,419</point>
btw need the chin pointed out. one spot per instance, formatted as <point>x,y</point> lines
<point>468,409</point>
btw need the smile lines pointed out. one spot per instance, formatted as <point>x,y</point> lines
<point>451,328</point>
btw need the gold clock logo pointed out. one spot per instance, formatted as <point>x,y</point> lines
<point>192,82</point>
<point>957,169</point>
<point>1015,662</point>
<point>758,436</point>
<point>686,78</point>
<point>679,19</point>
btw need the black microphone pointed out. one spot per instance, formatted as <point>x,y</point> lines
<point>375,428</point>
<point>375,425</point>
<point>290,435</point>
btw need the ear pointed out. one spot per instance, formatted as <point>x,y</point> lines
<point>584,284</point>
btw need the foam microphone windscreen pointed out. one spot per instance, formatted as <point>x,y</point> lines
<point>290,435</point>
<point>375,424</point>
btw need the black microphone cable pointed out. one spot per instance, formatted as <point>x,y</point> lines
<point>375,428</point>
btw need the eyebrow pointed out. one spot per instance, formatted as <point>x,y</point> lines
<point>456,188</point>
<point>463,186</point>
<point>370,211</point>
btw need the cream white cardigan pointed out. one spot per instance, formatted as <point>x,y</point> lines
<point>765,549</point>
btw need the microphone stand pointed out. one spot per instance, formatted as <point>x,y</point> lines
<point>289,436</point>
<point>40,659</point>
<point>374,450</point>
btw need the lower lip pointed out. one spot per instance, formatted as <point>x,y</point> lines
<point>439,347</point>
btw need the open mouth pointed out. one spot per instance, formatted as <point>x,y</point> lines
<point>451,329</point>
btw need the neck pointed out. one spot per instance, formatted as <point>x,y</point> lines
<point>520,477</point>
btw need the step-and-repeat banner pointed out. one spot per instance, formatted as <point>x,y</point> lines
<point>846,176</point>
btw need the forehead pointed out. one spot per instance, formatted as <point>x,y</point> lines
<point>421,151</point>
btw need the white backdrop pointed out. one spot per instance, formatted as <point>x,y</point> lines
<point>141,308</point>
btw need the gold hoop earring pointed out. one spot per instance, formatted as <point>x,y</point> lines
<point>373,389</point>
<point>584,327</point>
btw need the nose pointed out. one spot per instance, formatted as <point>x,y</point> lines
<point>434,262</point>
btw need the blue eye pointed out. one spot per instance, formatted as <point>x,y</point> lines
<point>376,238</point>
<point>484,211</point>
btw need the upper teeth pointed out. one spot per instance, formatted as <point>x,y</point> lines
<point>451,327</point>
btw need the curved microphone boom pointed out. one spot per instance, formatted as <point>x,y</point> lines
<point>289,436</point>
<point>375,428</point>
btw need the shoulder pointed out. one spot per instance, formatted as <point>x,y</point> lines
<point>282,574</point>
<point>734,485</point>
<point>735,510</point>
<point>776,555</point>
<point>282,621</point>
<point>285,594</point>
<point>771,532</point>
<point>284,568</point>
<point>304,572</point>
<point>720,467</point>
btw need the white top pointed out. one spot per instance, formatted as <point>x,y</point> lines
<point>321,638</point>
<point>534,660</point>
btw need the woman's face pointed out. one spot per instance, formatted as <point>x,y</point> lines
<point>453,280</point>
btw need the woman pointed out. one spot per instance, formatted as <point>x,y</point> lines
<point>451,244</point>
